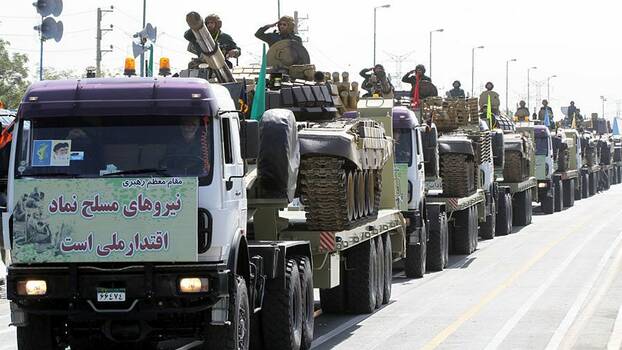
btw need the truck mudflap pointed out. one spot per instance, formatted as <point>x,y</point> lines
<point>516,187</point>
<point>456,204</point>
<point>145,291</point>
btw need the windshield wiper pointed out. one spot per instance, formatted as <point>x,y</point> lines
<point>158,171</point>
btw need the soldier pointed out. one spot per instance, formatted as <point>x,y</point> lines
<point>522,111</point>
<point>286,27</point>
<point>456,92</point>
<point>376,81</point>
<point>228,47</point>
<point>426,88</point>
<point>544,110</point>
<point>494,99</point>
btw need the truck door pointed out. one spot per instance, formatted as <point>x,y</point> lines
<point>233,168</point>
<point>419,184</point>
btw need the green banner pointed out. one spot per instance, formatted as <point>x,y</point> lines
<point>401,185</point>
<point>105,220</point>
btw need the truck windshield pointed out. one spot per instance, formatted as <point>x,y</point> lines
<point>115,146</point>
<point>542,146</point>
<point>403,145</point>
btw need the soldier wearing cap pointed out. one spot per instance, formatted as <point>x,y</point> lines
<point>224,41</point>
<point>286,31</point>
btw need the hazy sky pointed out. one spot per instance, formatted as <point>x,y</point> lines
<point>573,40</point>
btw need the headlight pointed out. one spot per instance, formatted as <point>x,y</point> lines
<point>542,185</point>
<point>193,285</point>
<point>32,287</point>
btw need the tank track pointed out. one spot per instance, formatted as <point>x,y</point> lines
<point>459,175</point>
<point>330,204</point>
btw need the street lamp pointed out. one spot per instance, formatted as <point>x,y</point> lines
<point>375,8</point>
<point>473,68</point>
<point>528,70</point>
<point>430,65</point>
<point>603,99</point>
<point>548,87</point>
<point>507,84</point>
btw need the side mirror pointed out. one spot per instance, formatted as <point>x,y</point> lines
<point>249,139</point>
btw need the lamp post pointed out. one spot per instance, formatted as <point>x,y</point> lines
<point>430,65</point>
<point>507,84</point>
<point>473,68</point>
<point>375,8</point>
<point>528,70</point>
<point>548,87</point>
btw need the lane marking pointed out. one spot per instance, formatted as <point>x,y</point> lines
<point>572,313</point>
<point>509,325</point>
<point>475,309</point>
<point>615,342</point>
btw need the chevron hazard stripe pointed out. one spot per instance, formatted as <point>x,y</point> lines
<point>327,241</point>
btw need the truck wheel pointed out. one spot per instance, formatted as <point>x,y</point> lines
<point>487,230</point>
<point>306,282</point>
<point>236,335</point>
<point>547,204</point>
<point>37,334</point>
<point>559,195</point>
<point>504,215</point>
<point>438,249</point>
<point>388,268</point>
<point>379,271</point>
<point>414,265</point>
<point>593,184</point>
<point>282,310</point>
<point>522,205</point>
<point>463,231</point>
<point>577,188</point>
<point>474,228</point>
<point>361,279</point>
<point>569,191</point>
<point>585,185</point>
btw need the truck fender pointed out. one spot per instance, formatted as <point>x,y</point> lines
<point>238,261</point>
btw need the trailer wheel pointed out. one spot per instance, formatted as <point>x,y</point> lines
<point>593,183</point>
<point>438,248</point>
<point>464,230</point>
<point>487,230</point>
<point>585,185</point>
<point>236,335</point>
<point>474,228</point>
<point>569,191</point>
<point>361,279</point>
<point>547,204</point>
<point>559,195</point>
<point>306,282</point>
<point>388,268</point>
<point>414,265</point>
<point>504,214</point>
<point>37,334</point>
<point>379,271</point>
<point>522,203</point>
<point>577,188</point>
<point>282,310</point>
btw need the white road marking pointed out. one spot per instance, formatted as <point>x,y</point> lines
<point>563,327</point>
<point>615,341</point>
<point>500,336</point>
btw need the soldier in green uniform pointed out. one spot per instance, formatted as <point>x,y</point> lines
<point>286,31</point>
<point>228,47</point>
<point>521,112</point>
<point>494,99</point>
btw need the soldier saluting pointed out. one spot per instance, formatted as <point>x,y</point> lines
<point>224,41</point>
<point>286,31</point>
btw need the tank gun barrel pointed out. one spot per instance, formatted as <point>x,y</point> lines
<point>211,53</point>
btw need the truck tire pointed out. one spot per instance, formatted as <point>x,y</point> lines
<point>438,246</point>
<point>559,195</point>
<point>488,228</point>
<point>504,214</point>
<point>37,334</point>
<point>379,271</point>
<point>306,282</point>
<point>414,265</point>
<point>577,188</point>
<point>388,268</point>
<point>592,184</point>
<point>569,191</point>
<point>236,335</point>
<point>522,208</point>
<point>361,279</point>
<point>547,204</point>
<point>282,310</point>
<point>585,185</point>
<point>474,229</point>
<point>465,231</point>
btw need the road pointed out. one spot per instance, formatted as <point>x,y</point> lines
<point>554,284</point>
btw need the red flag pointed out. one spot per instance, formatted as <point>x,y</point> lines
<point>416,96</point>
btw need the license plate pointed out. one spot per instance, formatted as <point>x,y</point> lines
<point>110,295</point>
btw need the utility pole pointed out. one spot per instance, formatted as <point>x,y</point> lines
<point>300,30</point>
<point>142,55</point>
<point>278,9</point>
<point>507,83</point>
<point>100,33</point>
<point>398,60</point>
<point>473,68</point>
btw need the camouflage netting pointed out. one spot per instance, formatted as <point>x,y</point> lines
<point>451,114</point>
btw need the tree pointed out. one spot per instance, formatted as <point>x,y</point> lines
<point>50,73</point>
<point>13,76</point>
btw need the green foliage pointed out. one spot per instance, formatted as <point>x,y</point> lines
<point>13,76</point>
<point>50,73</point>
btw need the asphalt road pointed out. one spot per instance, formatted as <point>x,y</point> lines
<point>554,284</point>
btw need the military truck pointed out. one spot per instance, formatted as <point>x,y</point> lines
<point>616,141</point>
<point>590,170</point>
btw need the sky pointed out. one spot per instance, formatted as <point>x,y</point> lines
<point>576,41</point>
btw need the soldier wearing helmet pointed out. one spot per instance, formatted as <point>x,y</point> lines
<point>376,81</point>
<point>426,88</point>
<point>456,92</point>
<point>521,112</point>
<point>494,99</point>
<point>286,31</point>
<point>228,47</point>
